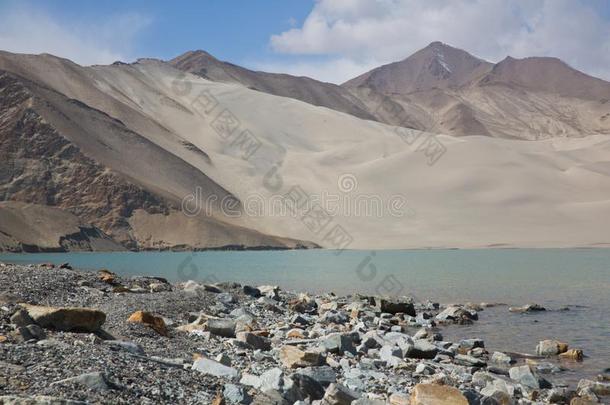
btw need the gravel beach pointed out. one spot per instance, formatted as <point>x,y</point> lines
<point>69,336</point>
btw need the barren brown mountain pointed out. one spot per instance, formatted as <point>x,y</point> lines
<point>305,89</point>
<point>437,66</point>
<point>446,90</point>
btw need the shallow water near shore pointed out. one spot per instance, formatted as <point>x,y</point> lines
<point>574,284</point>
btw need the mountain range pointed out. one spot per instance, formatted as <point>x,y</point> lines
<point>445,90</point>
<point>105,157</point>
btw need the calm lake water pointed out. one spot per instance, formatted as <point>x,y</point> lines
<point>556,278</point>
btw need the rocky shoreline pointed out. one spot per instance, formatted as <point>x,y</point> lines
<point>72,337</point>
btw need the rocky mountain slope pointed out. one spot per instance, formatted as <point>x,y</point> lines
<point>122,147</point>
<point>41,228</point>
<point>435,67</point>
<point>446,90</point>
<point>305,89</point>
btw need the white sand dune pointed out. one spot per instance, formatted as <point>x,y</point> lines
<point>481,192</point>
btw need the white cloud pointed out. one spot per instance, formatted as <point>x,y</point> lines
<point>334,70</point>
<point>27,29</point>
<point>388,30</point>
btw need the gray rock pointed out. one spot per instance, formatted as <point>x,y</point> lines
<point>397,338</point>
<point>548,368</point>
<point>355,384</point>
<point>558,396</point>
<point>469,361</point>
<point>270,291</point>
<point>271,397</point>
<point>68,319</point>
<point>422,333</point>
<point>422,349</point>
<point>251,291</point>
<point>250,380</point>
<point>525,376</point>
<point>501,358</point>
<point>272,379</point>
<point>191,286</point>
<point>21,318</point>
<point>223,358</point>
<point>372,341</point>
<point>338,317</point>
<point>96,381</point>
<point>499,391</point>
<point>424,369</point>
<point>392,355</point>
<point>337,394</point>
<point>212,288</point>
<point>456,313</point>
<point>226,298</point>
<point>241,311</point>
<point>257,342</point>
<point>308,387</point>
<point>469,344</point>
<point>222,327</point>
<point>392,306</point>
<point>339,343</point>
<point>325,375</point>
<point>299,319</point>
<point>235,394</point>
<point>367,401</point>
<point>527,308</point>
<point>29,332</point>
<point>596,387</point>
<point>550,348</point>
<point>211,367</point>
<point>124,345</point>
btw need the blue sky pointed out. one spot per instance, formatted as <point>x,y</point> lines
<point>330,40</point>
<point>233,30</point>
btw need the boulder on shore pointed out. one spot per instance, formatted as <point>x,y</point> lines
<point>67,319</point>
<point>551,348</point>
<point>391,306</point>
<point>435,394</point>
<point>293,357</point>
<point>155,322</point>
<point>527,308</point>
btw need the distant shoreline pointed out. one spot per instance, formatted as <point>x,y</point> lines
<point>237,248</point>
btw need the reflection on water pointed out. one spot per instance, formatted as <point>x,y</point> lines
<point>555,278</point>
